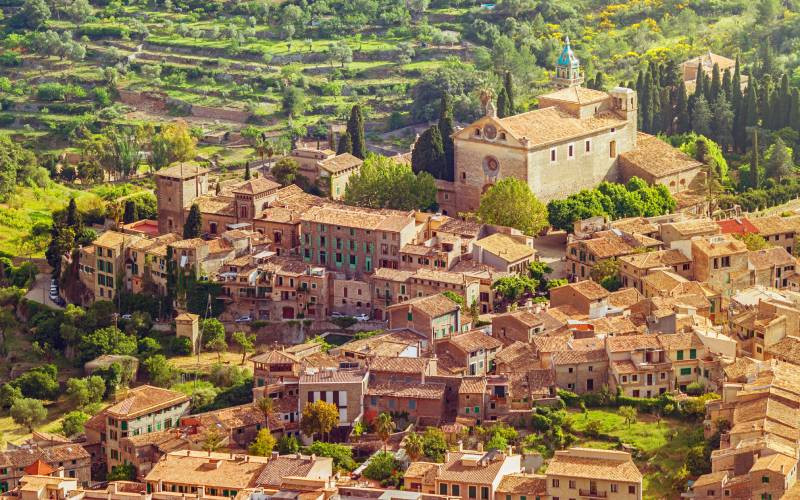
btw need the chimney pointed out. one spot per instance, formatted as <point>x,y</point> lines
<point>509,450</point>
<point>275,454</point>
<point>480,446</point>
<point>460,445</point>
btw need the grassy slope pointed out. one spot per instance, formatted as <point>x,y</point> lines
<point>31,205</point>
<point>662,446</point>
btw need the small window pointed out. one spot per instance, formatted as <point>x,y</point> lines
<point>552,155</point>
<point>632,489</point>
<point>587,146</point>
<point>571,151</point>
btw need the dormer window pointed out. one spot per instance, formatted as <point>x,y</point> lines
<point>477,132</point>
<point>502,136</point>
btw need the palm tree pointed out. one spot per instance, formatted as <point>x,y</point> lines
<point>266,406</point>
<point>384,426</point>
<point>414,446</point>
<point>212,440</point>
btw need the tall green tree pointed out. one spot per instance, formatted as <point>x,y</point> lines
<point>345,144</point>
<point>511,203</point>
<point>131,212</point>
<point>384,183</point>
<point>722,125</point>
<point>428,153</point>
<point>355,127</point>
<point>193,227</point>
<point>502,103</point>
<point>247,170</point>
<point>508,85</point>
<point>779,164</point>
<point>754,162</point>
<point>446,130</point>
<point>702,117</point>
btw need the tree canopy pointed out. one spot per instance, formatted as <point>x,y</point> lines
<point>383,183</point>
<point>511,203</point>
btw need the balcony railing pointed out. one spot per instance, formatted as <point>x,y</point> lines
<point>592,494</point>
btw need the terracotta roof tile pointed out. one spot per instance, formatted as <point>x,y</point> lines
<point>432,305</point>
<point>657,158</point>
<point>771,225</point>
<point>416,391</point>
<point>145,399</point>
<point>474,340</point>
<point>506,247</point>
<point>472,385</point>
<point>632,342</point>
<point>340,163</point>
<point>577,95</point>
<point>569,465</point>
<point>398,364</point>
<point>551,125</point>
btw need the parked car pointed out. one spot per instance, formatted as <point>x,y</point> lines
<point>362,317</point>
<point>126,316</point>
<point>336,314</point>
<point>244,319</point>
<point>61,302</point>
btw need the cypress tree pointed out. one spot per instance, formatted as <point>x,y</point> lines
<point>667,117</point>
<point>194,223</point>
<point>345,144</point>
<point>355,127</point>
<point>502,103</point>
<point>131,212</point>
<point>707,87</point>
<point>73,219</point>
<point>247,170</point>
<point>702,117</point>
<point>646,103</point>
<point>599,81</point>
<point>446,130</point>
<point>508,84</point>
<point>754,180</point>
<point>681,109</point>
<point>726,84</point>
<point>698,82</point>
<point>723,122</point>
<point>716,84</point>
<point>736,86</point>
<point>763,108</point>
<point>786,102</point>
<point>428,153</point>
<point>794,110</point>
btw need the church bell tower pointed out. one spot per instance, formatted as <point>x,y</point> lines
<point>568,68</point>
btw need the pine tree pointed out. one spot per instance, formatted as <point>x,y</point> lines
<point>446,130</point>
<point>247,170</point>
<point>508,84</point>
<point>355,127</point>
<point>428,153</point>
<point>502,103</point>
<point>780,162</point>
<point>345,144</point>
<point>194,223</point>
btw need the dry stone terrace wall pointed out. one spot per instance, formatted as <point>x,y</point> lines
<point>156,101</point>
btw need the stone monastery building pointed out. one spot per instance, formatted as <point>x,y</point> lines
<point>577,138</point>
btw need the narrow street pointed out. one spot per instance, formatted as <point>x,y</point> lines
<point>40,291</point>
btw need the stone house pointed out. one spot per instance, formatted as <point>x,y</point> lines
<point>176,188</point>
<point>515,326</point>
<point>771,267</point>
<point>633,268</point>
<point>334,172</point>
<point>721,262</point>
<point>505,252</point>
<point>777,231</point>
<point>584,254</point>
<point>473,351</point>
<point>423,402</point>
<point>141,410</point>
<point>586,297</point>
<point>638,364</point>
<point>474,475</point>
<point>692,361</point>
<point>435,316</point>
<point>70,459</point>
<point>656,162</point>
<point>345,388</point>
<point>591,473</point>
<point>582,366</point>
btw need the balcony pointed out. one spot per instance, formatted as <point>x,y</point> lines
<point>592,494</point>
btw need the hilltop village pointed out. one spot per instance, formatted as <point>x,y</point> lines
<point>413,354</point>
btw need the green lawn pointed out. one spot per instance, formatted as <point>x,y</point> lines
<point>662,446</point>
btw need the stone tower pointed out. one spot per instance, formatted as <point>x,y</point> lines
<point>176,188</point>
<point>568,68</point>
